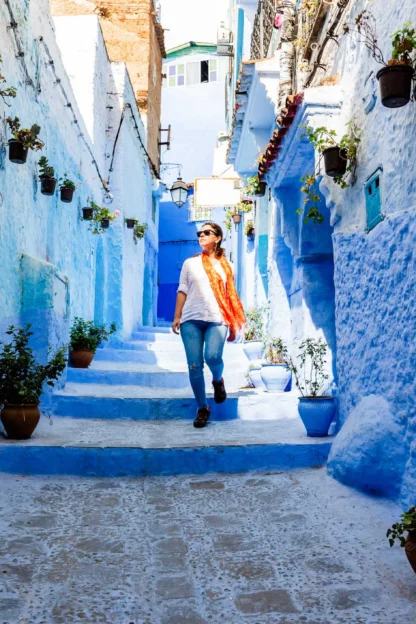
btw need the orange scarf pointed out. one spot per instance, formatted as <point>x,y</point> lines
<point>227,298</point>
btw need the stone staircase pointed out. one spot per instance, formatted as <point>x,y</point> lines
<point>131,412</point>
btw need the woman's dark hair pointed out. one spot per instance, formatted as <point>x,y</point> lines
<point>219,251</point>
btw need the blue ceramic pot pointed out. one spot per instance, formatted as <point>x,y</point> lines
<point>254,350</point>
<point>255,376</point>
<point>317,414</point>
<point>275,377</point>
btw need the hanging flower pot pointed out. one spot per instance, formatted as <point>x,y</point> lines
<point>250,233</point>
<point>105,223</point>
<point>237,218</point>
<point>17,152</point>
<point>395,85</point>
<point>87,214</point>
<point>66,194</point>
<point>335,161</point>
<point>261,189</point>
<point>48,186</point>
<point>130,223</point>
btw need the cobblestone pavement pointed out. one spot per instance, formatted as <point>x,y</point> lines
<point>272,548</point>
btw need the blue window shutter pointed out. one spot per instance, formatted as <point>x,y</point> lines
<point>373,201</point>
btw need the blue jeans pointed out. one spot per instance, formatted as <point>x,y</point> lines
<point>194,334</point>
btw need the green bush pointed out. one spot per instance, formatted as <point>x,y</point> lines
<point>88,335</point>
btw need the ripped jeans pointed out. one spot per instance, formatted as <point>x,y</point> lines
<point>194,335</point>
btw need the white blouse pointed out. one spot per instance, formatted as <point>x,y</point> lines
<point>200,304</point>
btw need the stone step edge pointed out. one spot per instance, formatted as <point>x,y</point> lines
<point>142,462</point>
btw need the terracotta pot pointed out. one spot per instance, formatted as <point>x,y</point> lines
<point>66,194</point>
<point>130,224</point>
<point>17,152</point>
<point>236,218</point>
<point>410,549</point>
<point>47,186</point>
<point>87,214</point>
<point>395,85</point>
<point>81,358</point>
<point>20,421</point>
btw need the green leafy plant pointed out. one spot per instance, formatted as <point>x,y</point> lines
<point>254,329</point>
<point>7,92</point>
<point>245,206</point>
<point>27,136</point>
<point>139,231</point>
<point>65,182</point>
<point>309,373</point>
<point>98,215</point>
<point>88,335</point>
<point>404,43</point>
<point>322,139</point>
<point>228,218</point>
<point>311,200</point>
<point>252,185</point>
<point>275,351</point>
<point>407,524</point>
<point>249,228</point>
<point>21,377</point>
<point>46,171</point>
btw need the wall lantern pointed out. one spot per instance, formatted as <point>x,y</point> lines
<point>179,192</point>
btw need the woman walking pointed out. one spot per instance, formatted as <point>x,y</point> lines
<point>207,308</point>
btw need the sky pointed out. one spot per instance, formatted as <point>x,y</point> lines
<point>192,20</point>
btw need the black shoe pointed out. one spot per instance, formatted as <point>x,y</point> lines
<point>219,391</point>
<point>202,417</point>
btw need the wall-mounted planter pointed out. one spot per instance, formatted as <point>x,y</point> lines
<point>317,414</point>
<point>236,218</point>
<point>130,224</point>
<point>335,161</point>
<point>47,186</point>
<point>261,190</point>
<point>66,194</point>
<point>87,214</point>
<point>275,377</point>
<point>17,152</point>
<point>395,85</point>
<point>105,223</point>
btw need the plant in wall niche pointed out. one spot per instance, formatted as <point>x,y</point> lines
<point>7,92</point>
<point>85,338</point>
<point>23,140</point>
<point>101,218</point>
<point>22,380</point>
<point>396,76</point>
<point>311,201</point>
<point>139,231</point>
<point>315,408</point>
<point>407,525</point>
<point>47,176</point>
<point>340,157</point>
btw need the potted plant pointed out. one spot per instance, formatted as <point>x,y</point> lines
<point>8,92</point>
<point>100,216</point>
<point>253,334</point>
<point>139,229</point>
<point>21,382</point>
<point>67,188</point>
<point>47,177</point>
<point>249,229</point>
<point>85,338</point>
<point>275,373</point>
<point>339,156</point>
<point>315,409</point>
<point>311,200</point>
<point>395,77</point>
<point>255,187</point>
<point>236,217</point>
<point>23,140</point>
<point>408,525</point>
<point>254,375</point>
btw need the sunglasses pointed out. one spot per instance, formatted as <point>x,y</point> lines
<point>205,233</point>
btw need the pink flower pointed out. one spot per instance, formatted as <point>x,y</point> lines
<point>116,213</point>
<point>278,22</point>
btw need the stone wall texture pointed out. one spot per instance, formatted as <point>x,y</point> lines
<point>132,34</point>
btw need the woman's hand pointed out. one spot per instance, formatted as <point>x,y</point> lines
<point>176,325</point>
<point>231,336</point>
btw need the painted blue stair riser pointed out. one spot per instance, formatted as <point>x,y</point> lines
<point>149,380</point>
<point>138,462</point>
